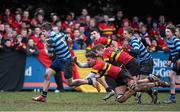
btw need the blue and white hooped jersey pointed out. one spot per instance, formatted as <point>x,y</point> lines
<point>136,44</point>
<point>59,45</point>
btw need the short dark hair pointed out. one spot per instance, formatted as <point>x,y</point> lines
<point>178,26</point>
<point>129,30</point>
<point>94,30</point>
<point>47,26</point>
<point>172,28</point>
<point>91,54</point>
<point>98,47</point>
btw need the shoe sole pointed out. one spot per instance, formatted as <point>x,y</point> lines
<point>33,99</point>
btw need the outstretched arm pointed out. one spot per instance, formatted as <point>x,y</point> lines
<point>82,65</point>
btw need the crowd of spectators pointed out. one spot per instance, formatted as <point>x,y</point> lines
<point>22,32</point>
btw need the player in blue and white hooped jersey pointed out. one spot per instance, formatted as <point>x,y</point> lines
<point>63,61</point>
<point>139,51</point>
<point>174,58</point>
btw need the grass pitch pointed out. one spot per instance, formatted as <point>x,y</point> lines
<point>78,101</point>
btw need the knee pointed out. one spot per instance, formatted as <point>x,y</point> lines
<point>121,99</point>
<point>170,76</point>
<point>48,76</point>
<point>69,82</point>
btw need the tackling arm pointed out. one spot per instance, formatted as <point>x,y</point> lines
<point>82,65</point>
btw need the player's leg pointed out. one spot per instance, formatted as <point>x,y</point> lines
<point>173,75</point>
<point>134,68</point>
<point>67,67</point>
<point>120,90</point>
<point>50,72</point>
<point>177,79</point>
<point>109,90</point>
<point>125,96</point>
<point>146,68</point>
<point>125,79</point>
<point>78,82</point>
<point>140,87</point>
<point>55,67</point>
<point>59,82</point>
<point>42,98</point>
<point>143,87</point>
<point>172,98</point>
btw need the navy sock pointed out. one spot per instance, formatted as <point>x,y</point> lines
<point>90,82</point>
<point>44,94</point>
<point>173,97</point>
<point>108,89</point>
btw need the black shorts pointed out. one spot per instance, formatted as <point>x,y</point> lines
<point>176,68</point>
<point>133,67</point>
<point>146,67</point>
<point>124,75</point>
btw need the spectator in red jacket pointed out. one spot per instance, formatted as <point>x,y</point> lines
<point>107,28</point>
<point>16,24</point>
<point>25,16</point>
<point>125,23</point>
<point>7,17</point>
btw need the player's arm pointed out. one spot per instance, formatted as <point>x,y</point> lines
<point>108,89</point>
<point>107,42</point>
<point>82,65</point>
<point>135,49</point>
<point>102,82</point>
<point>49,50</point>
<point>87,80</point>
<point>177,45</point>
<point>169,61</point>
<point>49,53</point>
<point>114,43</point>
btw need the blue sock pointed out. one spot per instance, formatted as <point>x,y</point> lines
<point>173,97</point>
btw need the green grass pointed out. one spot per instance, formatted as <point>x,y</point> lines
<point>78,101</point>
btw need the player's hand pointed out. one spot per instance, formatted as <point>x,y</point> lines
<point>178,64</point>
<point>168,63</point>
<point>97,76</point>
<point>74,59</point>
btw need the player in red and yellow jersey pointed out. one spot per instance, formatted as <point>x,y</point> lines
<point>107,42</point>
<point>121,57</point>
<point>120,75</point>
<point>118,57</point>
<point>100,69</point>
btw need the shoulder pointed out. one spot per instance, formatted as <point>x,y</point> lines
<point>175,39</point>
<point>134,40</point>
<point>53,34</point>
<point>98,64</point>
